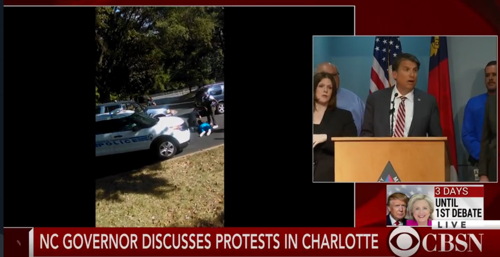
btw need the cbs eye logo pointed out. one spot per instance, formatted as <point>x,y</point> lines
<point>404,241</point>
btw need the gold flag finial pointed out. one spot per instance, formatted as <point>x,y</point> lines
<point>435,46</point>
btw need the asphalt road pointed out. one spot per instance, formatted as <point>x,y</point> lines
<point>198,143</point>
<point>115,164</point>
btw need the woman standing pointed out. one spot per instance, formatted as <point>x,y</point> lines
<point>329,121</point>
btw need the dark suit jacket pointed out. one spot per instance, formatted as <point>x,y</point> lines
<point>488,155</point>
<point>388,220</point>
<point>335,123</point>
<point>377,121</point>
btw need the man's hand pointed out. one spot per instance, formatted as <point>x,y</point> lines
<point>318,139</point>
<point>484,178</point>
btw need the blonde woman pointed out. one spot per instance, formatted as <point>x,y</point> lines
<point>420,210</point>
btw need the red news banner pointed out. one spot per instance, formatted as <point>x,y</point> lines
<point>204,241</point>
<point>458,228</point>
<point>253,242</point>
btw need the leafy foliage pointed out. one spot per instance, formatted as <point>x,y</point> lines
<point>146,50</point>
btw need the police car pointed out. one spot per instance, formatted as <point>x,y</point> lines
<point>124,131</point>
<point>131,105</point>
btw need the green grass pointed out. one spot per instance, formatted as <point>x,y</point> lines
<point>186,191</point>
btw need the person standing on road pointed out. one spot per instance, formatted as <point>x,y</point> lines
<point>209,103</point>
<point>193,118</point>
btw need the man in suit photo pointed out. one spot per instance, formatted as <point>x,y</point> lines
<point>396,208</point>
<point>402,110</point>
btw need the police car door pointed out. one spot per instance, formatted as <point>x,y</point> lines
<point>130,137</point>
<point>103,137</point>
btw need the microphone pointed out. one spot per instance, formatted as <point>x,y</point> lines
<point>391,111</point>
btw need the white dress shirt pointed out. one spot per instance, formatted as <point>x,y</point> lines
<point>409,103</point>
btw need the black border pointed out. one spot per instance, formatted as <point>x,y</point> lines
<point>49,73</point>
<point>268,158</point>
<point>2,180</point>
<point>50,70</point>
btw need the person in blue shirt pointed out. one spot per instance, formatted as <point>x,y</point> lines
<point>472,125</point>
<point>346,99</point>
<point>204,128</point>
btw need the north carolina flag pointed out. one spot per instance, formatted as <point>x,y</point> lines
<point>439,87</point>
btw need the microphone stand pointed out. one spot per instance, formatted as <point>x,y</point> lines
<point>391,111</point>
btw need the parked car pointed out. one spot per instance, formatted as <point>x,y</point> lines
<point>123,131</point>
<point>217,91</point>
<point>131,105</point>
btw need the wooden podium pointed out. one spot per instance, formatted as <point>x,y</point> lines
<point>400,159</point>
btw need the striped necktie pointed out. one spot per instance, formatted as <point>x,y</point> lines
<point>399,130</point>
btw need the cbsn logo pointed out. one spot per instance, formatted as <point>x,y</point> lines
<point>405,241</point>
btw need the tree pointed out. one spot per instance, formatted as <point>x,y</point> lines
<point>152,49</point>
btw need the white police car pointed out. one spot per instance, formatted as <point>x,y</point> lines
<point>128,131</point>
<point>131,105</point>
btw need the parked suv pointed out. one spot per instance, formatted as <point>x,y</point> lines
<point>217,91</point>
<point>123,131</point>
<point>133,106</point>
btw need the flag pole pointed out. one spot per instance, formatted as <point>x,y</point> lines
<point>389,65</point>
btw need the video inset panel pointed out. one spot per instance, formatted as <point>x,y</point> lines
<point>404,108</point>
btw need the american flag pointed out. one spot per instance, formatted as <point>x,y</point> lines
<point>384,52</point>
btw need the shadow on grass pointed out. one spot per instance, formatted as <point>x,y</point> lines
<point>120,163</point>
<point>218,221</point>
<point>117,175</point>
<point>113,188</point>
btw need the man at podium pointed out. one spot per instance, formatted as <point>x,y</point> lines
<point>402,110</point>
